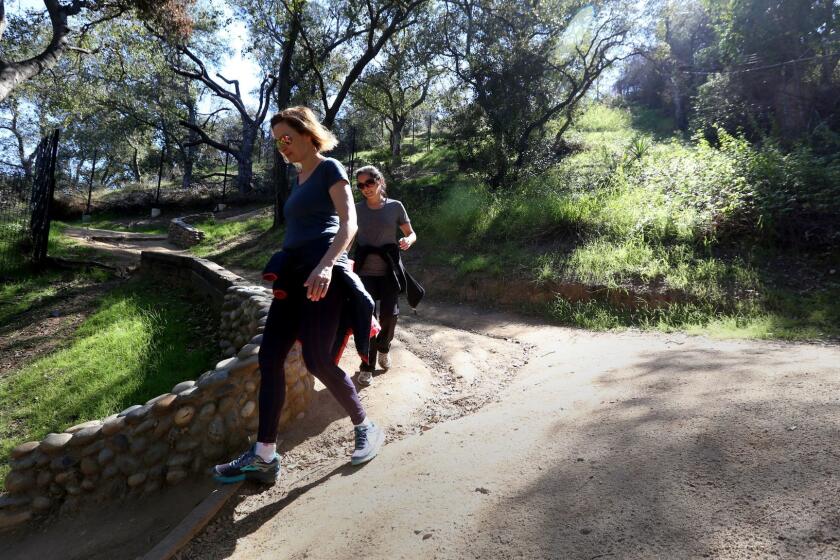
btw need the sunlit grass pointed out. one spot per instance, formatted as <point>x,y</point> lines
<point>139,342</point>
<point>219,233</point>
<point>630,208</point>
<point>109,221</point>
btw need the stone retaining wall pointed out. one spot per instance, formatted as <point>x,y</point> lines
<point>243,315</point>
<point>182,234</point>
<point>150,446</point>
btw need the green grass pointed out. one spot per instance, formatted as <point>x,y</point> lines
<point>62,246</point>
<point>252,254</point>
<point>776,315</point>
<point>140,341</point>
<point>14,243</point>
<point>25,290</point>
<point>16,296</point>
<point>217,234</point>
<point>108,220</point>
<point>633,208</point>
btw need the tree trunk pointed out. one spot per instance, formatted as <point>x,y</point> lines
<point>680,120</point>
<point>395,139</point>
<point>501,172</point>
<point>192,137</point>
<point>135,166</point>
<point>90,181</point>
<point>246,159</point>
<point>78,171</point>
<point>160,173</point>
<point>280,175</point>
<point>189,159</point>
<point>829,62</point>
<point>106,173</point>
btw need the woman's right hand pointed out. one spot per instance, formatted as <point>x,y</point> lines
<point>318,282</point>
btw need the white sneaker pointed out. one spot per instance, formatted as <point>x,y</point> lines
<point>385,360</point>
<point>365,378</point>
<point>368,441</point>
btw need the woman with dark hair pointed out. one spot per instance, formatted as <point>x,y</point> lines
<point>378,262</point>
<point>317,284</point>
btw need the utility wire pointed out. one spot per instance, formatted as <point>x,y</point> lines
<point>768,67</point>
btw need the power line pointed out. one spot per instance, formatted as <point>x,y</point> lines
<point>768,67</point>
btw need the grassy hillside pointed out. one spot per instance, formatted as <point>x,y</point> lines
<point>746,234</point>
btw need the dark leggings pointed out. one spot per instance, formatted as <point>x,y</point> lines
<point>385,294</point>
<point>315,324</point>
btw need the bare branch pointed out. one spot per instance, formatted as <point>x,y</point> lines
<point>214,113</point>
<point>206,139</point>
<point>84,51</point>
<point>234,82</point>
<point>266,88</point>
<point>108,17</point>
<point>201,75</point>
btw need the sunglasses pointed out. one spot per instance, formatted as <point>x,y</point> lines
<point>283,141</point>
<point>368,183</point>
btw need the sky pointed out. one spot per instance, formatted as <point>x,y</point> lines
<point>235,67</point>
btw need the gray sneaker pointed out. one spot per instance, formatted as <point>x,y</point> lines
<point>368,441</point>
<point>248,466</point>
<point>385,360</point>
<point>365,378</point>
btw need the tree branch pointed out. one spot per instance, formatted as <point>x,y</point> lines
<point>205,139</point>
<point>214,113</point>
<point>202,76</point>
<point>234,82</point>
<point>266,89</point>
<point>84,51</point>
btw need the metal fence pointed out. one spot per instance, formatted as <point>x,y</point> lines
<point>15,239</point>
<point>25,205</point>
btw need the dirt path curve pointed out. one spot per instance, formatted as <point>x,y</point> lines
<point>510,439</point>
<point>123,248</point>
<point>606,445</point>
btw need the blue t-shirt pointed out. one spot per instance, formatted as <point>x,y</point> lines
<point>309,210</point>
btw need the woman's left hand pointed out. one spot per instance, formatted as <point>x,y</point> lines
<point>318,282</point>
<point>404,244</point>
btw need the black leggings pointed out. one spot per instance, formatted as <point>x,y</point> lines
<point>385,294</point>
<point>315,324</point>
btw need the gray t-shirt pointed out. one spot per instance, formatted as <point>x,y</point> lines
<point>377,228</point>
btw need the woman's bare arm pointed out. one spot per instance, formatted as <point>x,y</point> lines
<point>319,280</point>
<point>410,236</point>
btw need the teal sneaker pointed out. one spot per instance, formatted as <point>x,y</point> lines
<point>248,466</point>
<point>368,441</point>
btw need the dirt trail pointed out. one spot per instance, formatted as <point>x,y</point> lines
<point>511,439</point>
<point>602,445</point>
<point>123,248</point>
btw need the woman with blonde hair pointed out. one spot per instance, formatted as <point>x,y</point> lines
<point>314,288</point>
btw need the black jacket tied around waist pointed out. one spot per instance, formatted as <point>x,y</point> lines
<point>289,269</point>
<point>403,281</point>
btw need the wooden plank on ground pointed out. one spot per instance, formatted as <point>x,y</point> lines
<point>184,532</point>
